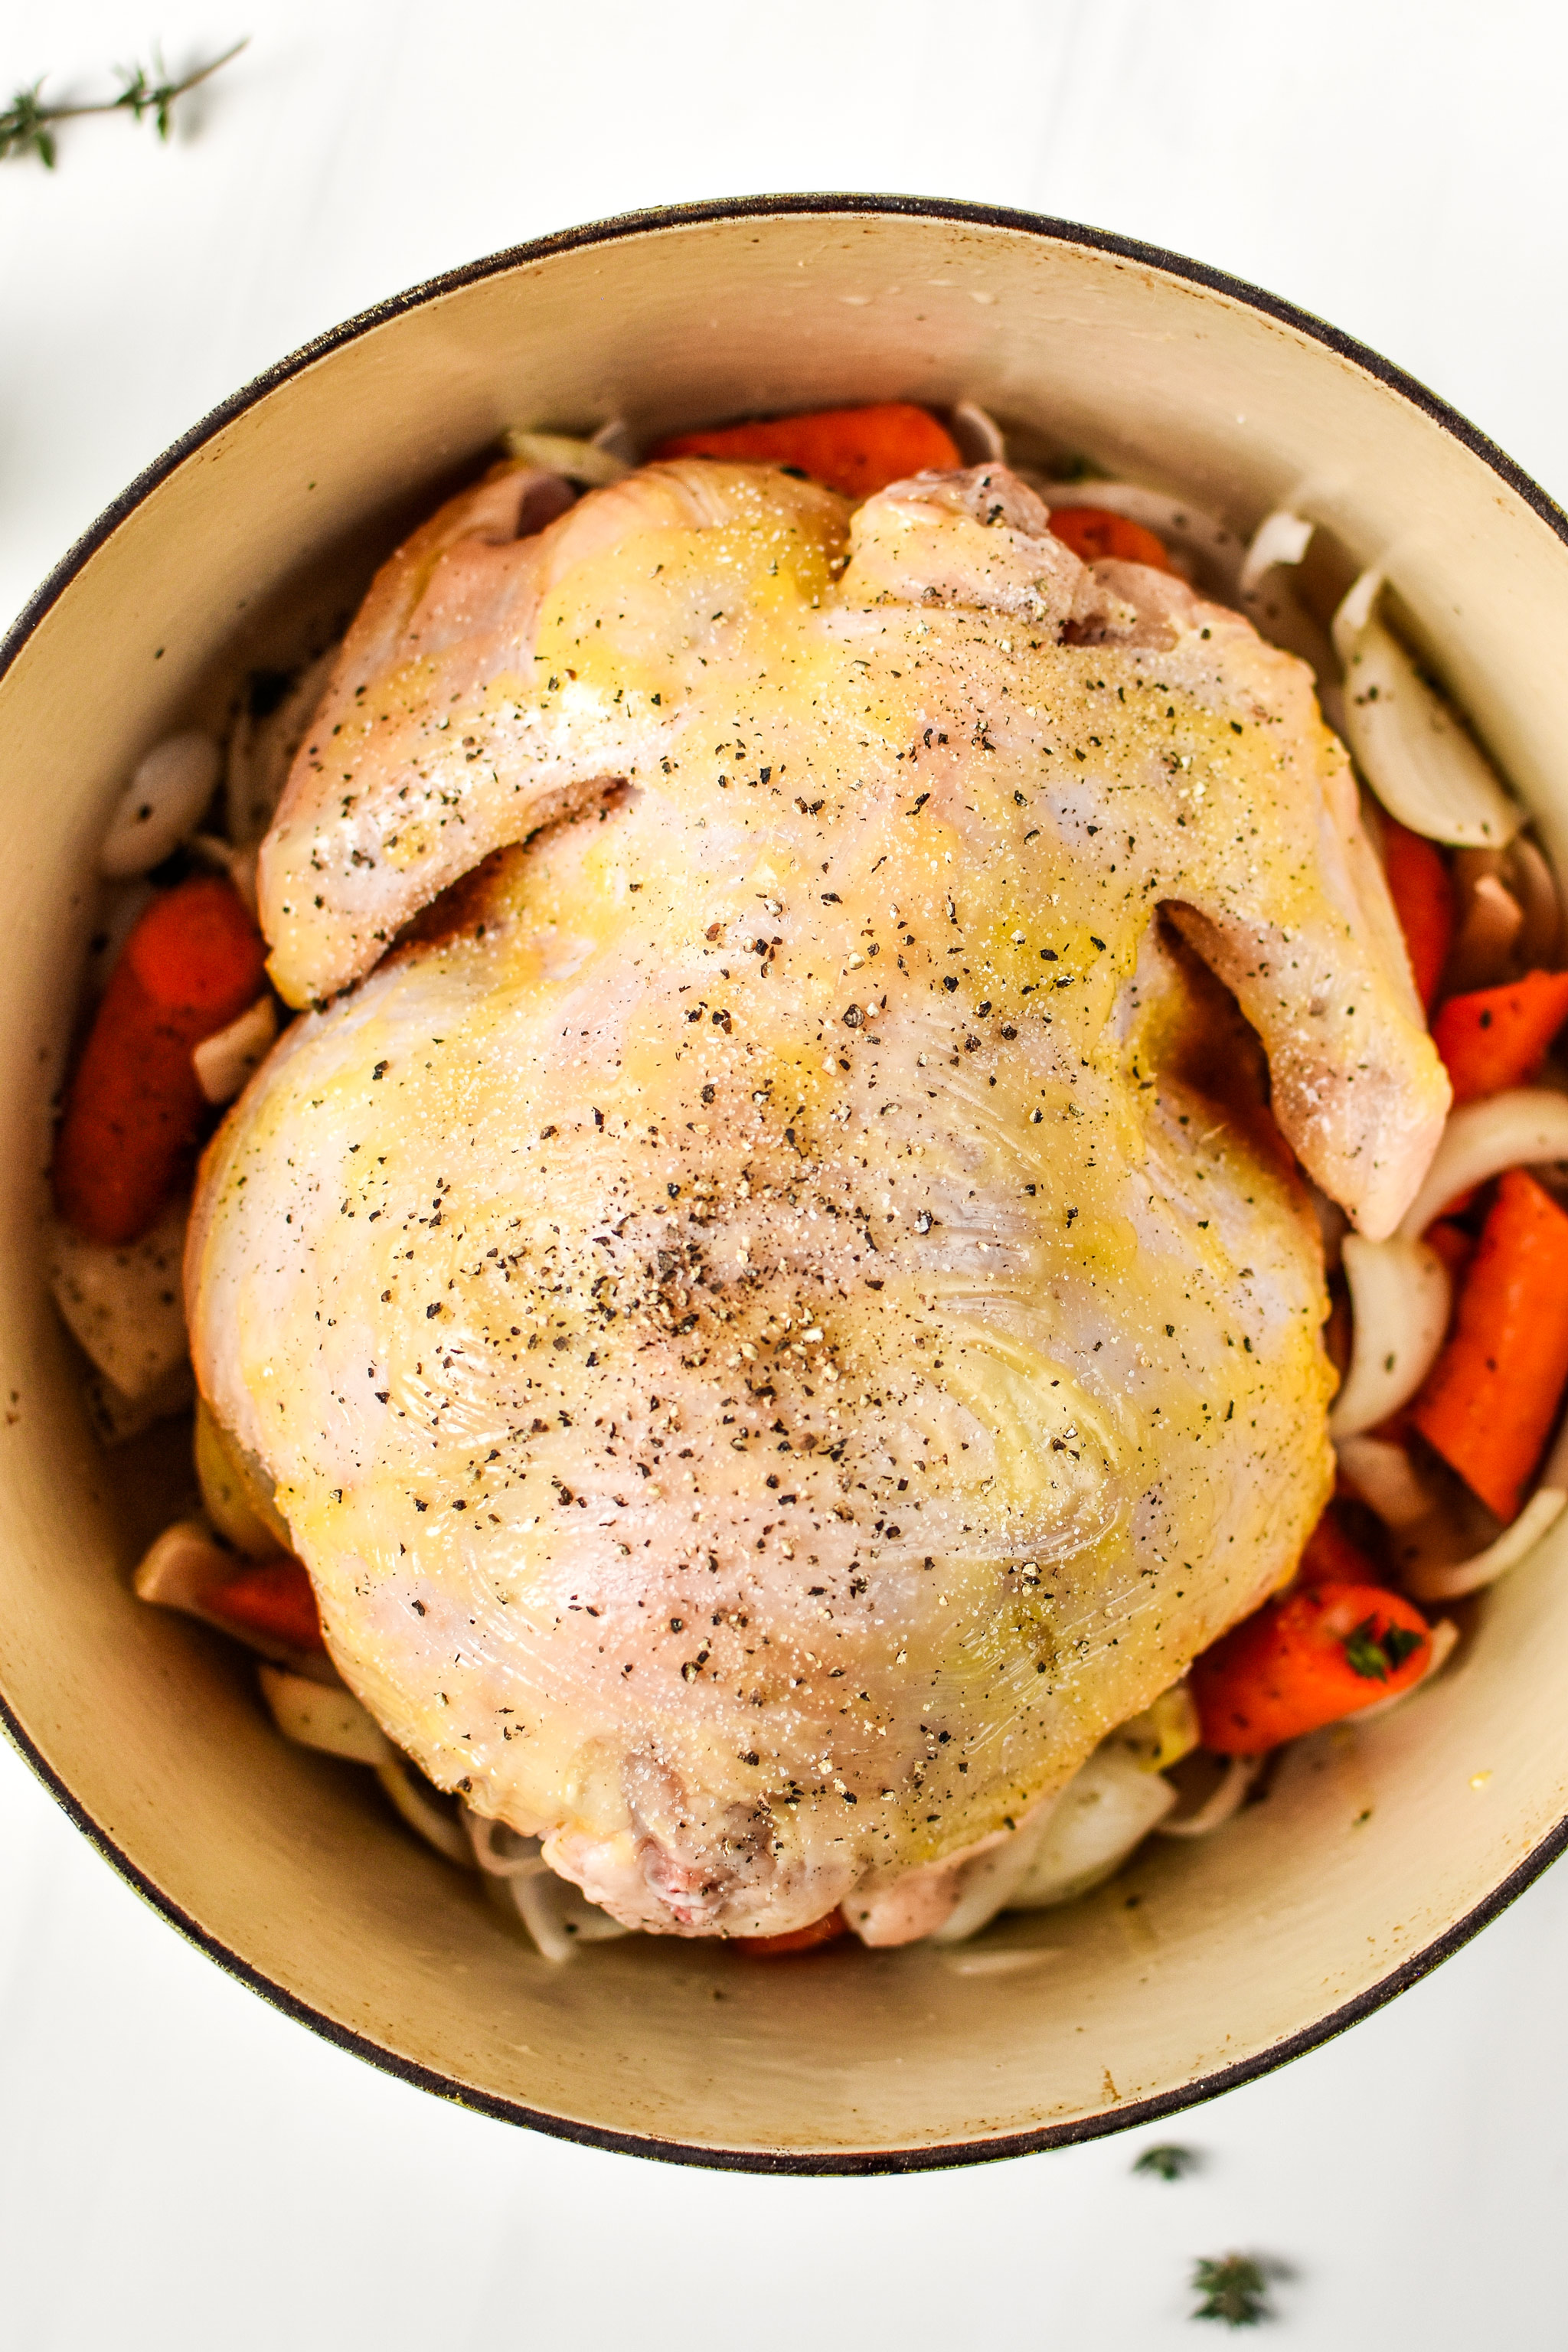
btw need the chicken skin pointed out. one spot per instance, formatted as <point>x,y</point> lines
<point>766,1285</point>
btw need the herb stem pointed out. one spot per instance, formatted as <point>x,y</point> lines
<point>27,125</point>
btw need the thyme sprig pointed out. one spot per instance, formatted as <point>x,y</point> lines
<point>1168,2162</point>
<point>27,125</point>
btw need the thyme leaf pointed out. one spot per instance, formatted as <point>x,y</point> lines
<point>1167,2163</point>
<point>1375,1655</point>
<point>27,125</point>
<point>1234,2289</point>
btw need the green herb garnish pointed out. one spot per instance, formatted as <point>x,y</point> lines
<point>1375,1655</point>
<point>1234,2289</point>
<point>1167,2163</point>
<point>27,125</point>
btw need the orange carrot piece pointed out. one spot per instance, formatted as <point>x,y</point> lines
<point>275,1597</point>
<point>1332,1557</point>
<point>1319,1653</point>
<point>1451,1243</point>
<point>854,450</point>
<point>1094,533</point>
<point>1490,1399</point>
<point>826,1930</point>
<point>1422,889</point>
<point>1498,1037</point>
<point>133,1109</point>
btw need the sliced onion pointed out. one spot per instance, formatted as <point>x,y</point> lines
<point>1431,1583</point>
<point>500,1852</point>
<point>1490,926</point>
<point>416,1803</point>
<point>1534,885</point>
<point>1522,1128</point>
<point>123,1304</point>
<point>1107,1808</point>
<point>1280,538</point>
<point>1387,1480</point>
<point>226,1063</point>
<point>1411,746</point>
<point>161,805</point>
<point>1221,1806</point>
<point>314,1716</point>
<point>1401,1298</point>
<point>616,436</point>
<point>981,441</point>
<point>989,1881</point>
<point>559,453</point>
<point>559,1916</point>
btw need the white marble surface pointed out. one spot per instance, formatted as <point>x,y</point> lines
<point>181,2168</point>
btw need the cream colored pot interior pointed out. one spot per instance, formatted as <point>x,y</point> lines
<point>1375,1844</point>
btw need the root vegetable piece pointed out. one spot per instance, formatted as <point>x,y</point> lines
<point>1422,890</point>
<point>134,1105</point>
<point>1323,1652</point>
<point>856,451</point>
<point>1498,1037</point>
<point>1493,1397</point>
<point>1094,533</point>
<point>274,1599</point>
<point>1332,1557</point>
<point>826,1930</point>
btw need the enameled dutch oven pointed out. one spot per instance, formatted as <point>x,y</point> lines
<point>1379,1849</point>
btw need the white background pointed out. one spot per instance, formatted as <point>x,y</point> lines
<point>179,2168</point>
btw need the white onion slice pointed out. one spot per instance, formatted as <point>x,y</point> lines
<point>616,436</point>
<point>1431,1583</point>
<point>1107,1808</point>
<point>1387,1480</point>
<point>314,1716</point>
<point>1412,747</point>
<point>1489,929</point>
<point>124,1304</point>
<point>990,1880</point>
<point>1400,1297</point>
<point>560,453</point>
<point>415,1800</point>
<point>980,438</point>
<point>1520,1129</point>
<point>163,802</point>
<point>559,1916</point>
<point>225,1062</point>
<point>1221,1806</point>
<point>1280,538</point>
<point>500,1852</point>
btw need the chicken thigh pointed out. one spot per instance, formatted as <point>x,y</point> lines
<point>766,1285</point>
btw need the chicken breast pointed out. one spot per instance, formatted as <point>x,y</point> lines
<point>777,1312</point>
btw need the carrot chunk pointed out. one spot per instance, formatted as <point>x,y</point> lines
<point>134,1109</point>
<point>1094,533</point>
<point>1319,1653</point>
<point>824,1930</point>
<point>274,1597</point>
<point>854,450</point>
<point>1490,1399</point>
<point>1422,890</point>
<point>1332,1557</point>
<point>1498,1037</point>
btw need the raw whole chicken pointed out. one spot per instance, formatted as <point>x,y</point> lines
<point>766,1282</point>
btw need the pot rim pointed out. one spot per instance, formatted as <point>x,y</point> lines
<point>616,228</point>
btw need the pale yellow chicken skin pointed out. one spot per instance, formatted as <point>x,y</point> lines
<point>766,1333</point>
